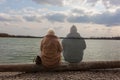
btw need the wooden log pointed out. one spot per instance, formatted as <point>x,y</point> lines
<point>62,67</point>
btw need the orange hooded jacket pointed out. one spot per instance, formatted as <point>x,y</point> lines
<point>50,51</point>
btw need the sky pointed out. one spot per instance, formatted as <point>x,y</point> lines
<point>93,18</point>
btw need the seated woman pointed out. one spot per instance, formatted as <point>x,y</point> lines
<point>50,50</point>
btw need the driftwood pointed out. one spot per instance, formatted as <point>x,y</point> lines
<point>62,67</point>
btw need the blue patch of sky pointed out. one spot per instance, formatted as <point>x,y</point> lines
<point>20,4</point>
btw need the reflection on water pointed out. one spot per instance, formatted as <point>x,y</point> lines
<point>102,50</point>
<point>23,50</point>
<point>19,50</point>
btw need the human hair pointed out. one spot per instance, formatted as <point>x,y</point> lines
<point>51,32</point>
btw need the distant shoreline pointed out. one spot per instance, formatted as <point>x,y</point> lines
<point>5,35</point>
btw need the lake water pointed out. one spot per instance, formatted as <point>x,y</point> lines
<point>24,50</point>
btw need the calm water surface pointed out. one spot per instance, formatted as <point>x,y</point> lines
<point>23,50</point>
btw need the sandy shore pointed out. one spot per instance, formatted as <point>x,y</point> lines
<point>68,75</point>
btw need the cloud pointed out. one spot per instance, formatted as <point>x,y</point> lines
<point>55,17</point>
<point>1,1</point>
<point>26,28</point>
<point>74,15</point>
<point>106,18</point>
<point>92,2</point>
<point>9,18</point>
<point>111,3</point>
<point>58,27</point>
<point>107,3</point>
<point>78,19</point>
<point>19,18</point>
<point>78,11</point>
<point>50,2</point>
<point>26,14</point>
<point>32,15</point>
<point>31,18</point>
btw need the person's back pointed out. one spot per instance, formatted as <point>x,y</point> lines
<point>50,51</point>
<point>73,46</point>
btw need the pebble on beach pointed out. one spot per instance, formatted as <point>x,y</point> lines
<point>68,75</point>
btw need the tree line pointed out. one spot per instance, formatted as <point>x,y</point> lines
<point>22,36</point>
